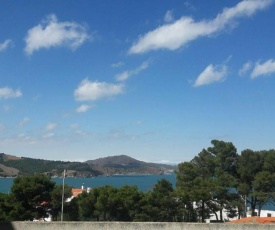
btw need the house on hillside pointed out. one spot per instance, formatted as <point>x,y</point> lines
<point>77,191</point>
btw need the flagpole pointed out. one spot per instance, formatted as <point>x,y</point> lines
<point>62,205</point>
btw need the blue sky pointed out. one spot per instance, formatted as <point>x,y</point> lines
<point>155,80</point>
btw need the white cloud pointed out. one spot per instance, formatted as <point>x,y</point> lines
<point>93,90</point>
<point>5,45</point>
<point>117,65</point>
<point>265,68</point>
<point>127,74</point>
<point>23,122</point>
<point>7,92</point>
<point>51,126</point>
<point>24,137</point>
<point>74,126</point>
<point>138,122</point>
<point>181,32</point>
<point>48,135</point>
<point>77,131</point>
<point>245,68</point>
<point>82,108</point>
<point>169,16</point>
<point>123,76</point>
<point>189,5</point>
<point>142,67</point>
<point>167,162</point>
<point>51,33</point>
<point>211,74</point>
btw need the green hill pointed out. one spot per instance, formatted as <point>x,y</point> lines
<point>11,166</point>
<point>123,164</point>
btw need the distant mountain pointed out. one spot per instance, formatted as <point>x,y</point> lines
<point>11,166</point>
<point>114,161</point>
<point>126,165</point>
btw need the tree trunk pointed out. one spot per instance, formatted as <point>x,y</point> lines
<point>217,217</point>
<point>221,216</point>
<point>253,206</point>
<point>260,208</point>
<point>202,212</point>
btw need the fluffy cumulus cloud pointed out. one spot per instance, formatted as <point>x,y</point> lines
<point>4,45</point>
<point>7,92</point>
<point>179,33</point>
<point>211,75</point>
<point>127,74</point>
<point>82,108</point>
<point>52,33</point>
<point>94,90</point>
<point>262,69</point>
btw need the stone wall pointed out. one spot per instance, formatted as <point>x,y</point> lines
<point>128,226</point>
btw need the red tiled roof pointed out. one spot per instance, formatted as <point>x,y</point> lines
<point>77,191</point>
<point>44,203</point>
<point>254,220</point>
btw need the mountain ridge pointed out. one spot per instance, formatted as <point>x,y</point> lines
<point>12,166</point>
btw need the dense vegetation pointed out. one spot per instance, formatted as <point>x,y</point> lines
<point>36,196</point>
<point>217,179</point>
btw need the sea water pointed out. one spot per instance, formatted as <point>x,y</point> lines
<point>143,182</point>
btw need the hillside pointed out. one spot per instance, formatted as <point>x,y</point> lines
<point>126,165</point>
<point>11,166</point>
<point>30,166</point>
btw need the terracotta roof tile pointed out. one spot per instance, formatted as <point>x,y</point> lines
<point>254,220</point>
<point>77,191</point>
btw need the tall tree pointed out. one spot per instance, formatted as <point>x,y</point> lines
<point>86,203</point>
<point>129,199</point>
<point>29,192</point>
<point>224,176</point>
<point>5,207</point>
<point>194,183</point>
<point>250,163</point>
<point>256,172</point>
<point>104,202</point>
<point>160,204</point>
<point>207,178</point>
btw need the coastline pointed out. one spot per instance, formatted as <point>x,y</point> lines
<point>143,181</point>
